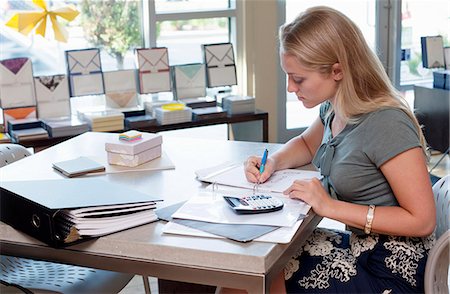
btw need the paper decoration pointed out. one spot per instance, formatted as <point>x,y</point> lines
<point>190,80</point>
<point>220,64</point>
<point>52,95</point>
<point>16,83</point>
<point>154,70</point>
<point>85,72</point>
<point>25,22</point>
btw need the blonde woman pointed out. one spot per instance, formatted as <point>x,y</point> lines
<point>369,149</point>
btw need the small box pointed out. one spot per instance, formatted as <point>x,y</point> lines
<point>136,159</point>
<point>148,141</point>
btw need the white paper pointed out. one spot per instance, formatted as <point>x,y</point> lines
<point>83,61</point>
<point>234,175</point>
<point>222,76</point>
<point>52,103</point>
<point>89,84</point>
<point>211,207</point>
<point>282,235</point>
<point>154,82</point>
<point>190,81</point>
<point>17,90</point>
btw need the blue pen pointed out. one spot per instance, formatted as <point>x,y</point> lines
<point>263,161</point>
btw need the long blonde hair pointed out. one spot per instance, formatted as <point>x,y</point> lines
<point>321,37</point>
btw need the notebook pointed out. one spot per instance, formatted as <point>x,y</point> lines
<point>78,167</point>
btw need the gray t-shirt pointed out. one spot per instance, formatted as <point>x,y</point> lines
<point>358,152</point>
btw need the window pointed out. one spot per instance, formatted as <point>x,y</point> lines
<point>117,28</point>
<point>415,23</point>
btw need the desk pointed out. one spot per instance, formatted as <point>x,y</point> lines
<point>145,250</point>
<point>229,120</point>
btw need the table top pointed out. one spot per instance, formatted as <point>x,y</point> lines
<point>147,243</point>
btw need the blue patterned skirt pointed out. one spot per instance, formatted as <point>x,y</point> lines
<point>341,262</point>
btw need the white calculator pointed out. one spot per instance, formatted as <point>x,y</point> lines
<point>254,204</point>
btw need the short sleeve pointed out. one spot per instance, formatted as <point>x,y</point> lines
<point>389,132</point>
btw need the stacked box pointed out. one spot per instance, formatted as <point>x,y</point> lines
<point>238,104</point>
<point>135,152</point>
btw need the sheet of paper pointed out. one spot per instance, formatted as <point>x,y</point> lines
<point>233,175</point>
<point>211,207</point>
<point>282,235</point>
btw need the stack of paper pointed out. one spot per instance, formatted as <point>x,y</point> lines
<point>26,129</point>
<point>64,126</point>
<point>103,121</point>
<point>238,104</point>
<point>208,214</point>
<point>199,102</point>
<point>166,117</point>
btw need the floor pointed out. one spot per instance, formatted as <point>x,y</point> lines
<point>220,133</point>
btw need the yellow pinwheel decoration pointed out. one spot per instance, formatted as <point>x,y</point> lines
<point>25,22</point>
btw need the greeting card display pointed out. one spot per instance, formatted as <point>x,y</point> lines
<point>120,89</point>
<point>220,65</point>
<point>16,83</point>
<point>18,113</point>
<point>85,72</point>
<point>52,95</point>
<point>190,80</point>
<point>154,70</point>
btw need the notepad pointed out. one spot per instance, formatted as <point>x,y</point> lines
<point>78,167</point>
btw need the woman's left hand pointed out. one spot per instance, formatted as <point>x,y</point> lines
<point>311,192</point>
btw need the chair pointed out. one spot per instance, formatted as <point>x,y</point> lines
<point>436,270</point>
<point>32,275</point>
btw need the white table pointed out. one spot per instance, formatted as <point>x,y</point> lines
<point>145,250</point>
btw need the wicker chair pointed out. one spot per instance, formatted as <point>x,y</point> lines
<point>28,276</point>
<point>436,271</point>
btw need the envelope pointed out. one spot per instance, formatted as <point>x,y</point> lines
<point>120,88</point>
<point>221,69</point>
<point>121,99</point>
<point>154,70</point>
<point>52,96</point>
<point>153,59</point>
<point>18,113</point>
<point>190,80</point>
<point>16,83</point>
<point>85,72</point>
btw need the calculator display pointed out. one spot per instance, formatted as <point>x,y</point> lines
<point>254,204</point>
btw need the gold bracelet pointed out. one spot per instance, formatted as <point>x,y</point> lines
<point>369,219</point>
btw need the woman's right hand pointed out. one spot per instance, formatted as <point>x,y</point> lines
<point>251,168</point>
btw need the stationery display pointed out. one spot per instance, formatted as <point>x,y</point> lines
<point>26,129</point>
<point>199,102</point>
<point>133,148</point>
<point>138,119</point>
<point>120,89</point>
<point>220,65</point>
<point>104,120</point>
<point>238,104</point>
<point>78,166</point>
<point>64,126</point>
<point>65,211</point>
<point>208,113</point>
<point>173,113</point>
<point>19,136</point>
<point>441,79</point>
<point>154,70</point>
<point>18,113</point>
<point>52,96</point>
<point>432,52</point>
<point>84,70</point>
<point>16,83</point>
<point>189,81</point>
